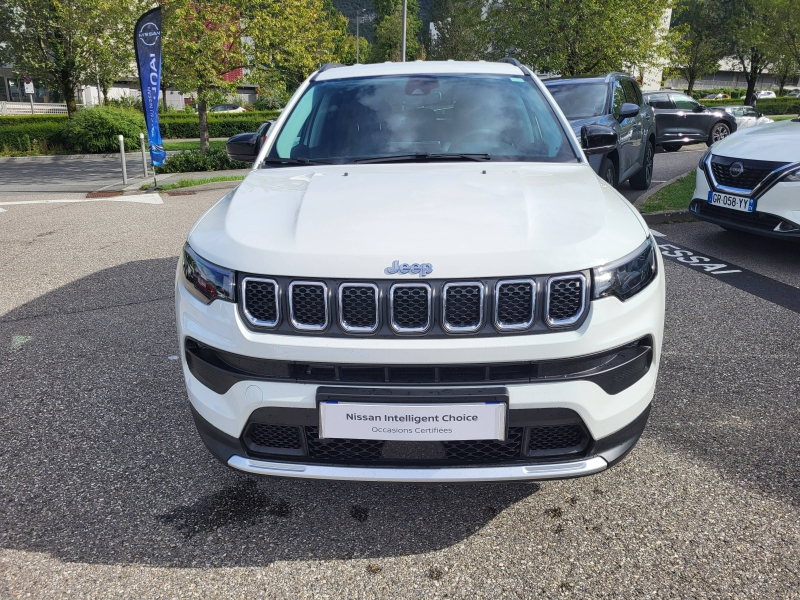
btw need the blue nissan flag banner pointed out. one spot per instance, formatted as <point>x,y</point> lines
<point>147,42</point>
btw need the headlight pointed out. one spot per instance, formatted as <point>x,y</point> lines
<point>627,276</point>
<point>703,158</point>
<point>792,177</point>
<point>206,281</point>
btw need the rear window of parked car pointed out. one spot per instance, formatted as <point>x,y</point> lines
<point>659,101</point>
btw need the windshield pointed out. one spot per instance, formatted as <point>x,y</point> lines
<point>580,100</point>
<point>422,117</point>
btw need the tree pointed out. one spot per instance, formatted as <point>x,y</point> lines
<point>389,31</point>
<point>784,68</point>
<point>202,40</point>
<point>109,46</point>
<point>575,37</point>
<point>289,39</point>
<point>47,39</point>
<point>790,30</point>
<point>460,33</point>
<point>750,28</point>
<point>277,43</point>
<point>697,47</point>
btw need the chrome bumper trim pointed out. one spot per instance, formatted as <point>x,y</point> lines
<point>575,468</point>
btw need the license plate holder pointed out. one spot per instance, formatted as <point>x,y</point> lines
<point>413,415</point>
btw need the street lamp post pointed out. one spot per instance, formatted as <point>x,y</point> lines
<point>403,46</point>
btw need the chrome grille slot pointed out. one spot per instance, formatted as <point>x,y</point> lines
<point>462,307</point>
<point>566,299</point>
<point>410,307</point>
<point>260,301</point>
<point>515,304</point>
<point>308,305</point>
<point>358,307</point>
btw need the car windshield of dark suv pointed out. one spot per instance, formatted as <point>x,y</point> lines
<point>406,118</point>
<point>580,100</point>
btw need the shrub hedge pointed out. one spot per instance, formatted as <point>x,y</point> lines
<point>216,159</point>
<point>183,125</point>
<point>97,130</point>
<point>108,122</point>
<point>33,138</point>
<point>713,103</point>
<point>778,106</point>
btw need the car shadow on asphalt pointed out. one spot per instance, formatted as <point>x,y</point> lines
<point>101,462</point>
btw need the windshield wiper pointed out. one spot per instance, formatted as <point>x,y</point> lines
<point>294,161</point>
<point>423,156</point>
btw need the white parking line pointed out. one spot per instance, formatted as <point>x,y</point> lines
<point>140,198</point>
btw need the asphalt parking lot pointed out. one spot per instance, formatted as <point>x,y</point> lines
<point>107,491</point>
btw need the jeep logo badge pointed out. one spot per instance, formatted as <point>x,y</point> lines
<point>420,269</point>
<point>736,169</point>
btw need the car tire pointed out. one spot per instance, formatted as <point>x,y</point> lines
<point>719,131</point>
<point>671,147</point>
<point>644,176</point>
<point>608,172</point>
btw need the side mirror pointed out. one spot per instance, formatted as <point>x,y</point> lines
<point>243,147</point>
<point>598,139</point>
<point>628,110</point>
<point>699,108</point>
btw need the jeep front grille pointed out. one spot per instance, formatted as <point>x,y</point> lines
<point>462,307</point>
<point>566,298</point>
<point>514,307</point>
<point>308,305</point>
<point>410,307</point>
<point>260,300</point>
<point>433,308</point>
<point>358,307</point>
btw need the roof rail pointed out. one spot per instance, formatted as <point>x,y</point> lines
<point>325,67</point>
<point>513,61</point>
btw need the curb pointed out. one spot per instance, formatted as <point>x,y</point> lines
<point>129,156</point>
<point>668,216</point>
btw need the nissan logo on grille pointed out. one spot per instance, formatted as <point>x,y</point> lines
<point>736,169</point>
<point>420,269</point>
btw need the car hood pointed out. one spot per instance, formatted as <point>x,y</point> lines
<point>778,141</point>
<point>465,219</point>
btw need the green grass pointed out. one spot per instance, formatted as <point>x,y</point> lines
<point>182,183</point>
<point>783,117</point>
<point>180,146</point>
<point>675,196</point>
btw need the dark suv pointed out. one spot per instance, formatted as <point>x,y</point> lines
<point>681,120</point>
<point>614,100</point>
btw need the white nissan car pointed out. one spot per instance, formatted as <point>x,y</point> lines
<point>750,181</point>
<point>422,279</point>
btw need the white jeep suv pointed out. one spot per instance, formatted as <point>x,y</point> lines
<point>422,279</point>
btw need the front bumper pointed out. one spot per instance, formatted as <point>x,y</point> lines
<point>603,454</point>
<point>612,419</point>
<point>776,215</point>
